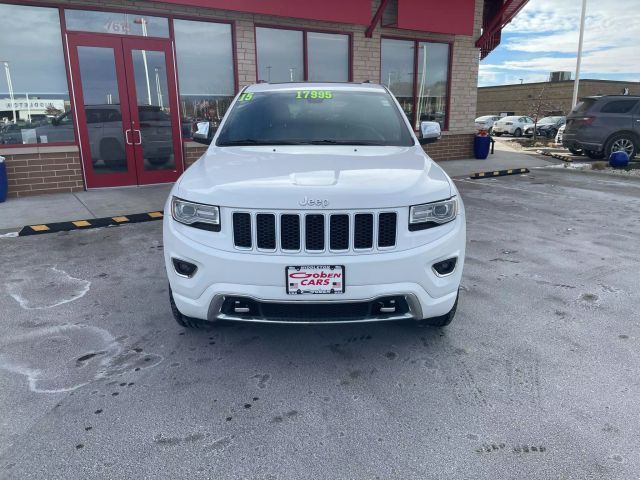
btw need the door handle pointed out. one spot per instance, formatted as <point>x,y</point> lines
<point>139,137</point>
<point>126,137</point>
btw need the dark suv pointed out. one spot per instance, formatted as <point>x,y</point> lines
<point>600,125</point>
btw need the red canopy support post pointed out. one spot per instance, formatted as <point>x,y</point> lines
<point>376,18</point>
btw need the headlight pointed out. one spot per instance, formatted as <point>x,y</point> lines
<point>198,215</point>
<point>433,214</point>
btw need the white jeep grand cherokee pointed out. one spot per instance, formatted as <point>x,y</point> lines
<point>314,203</point>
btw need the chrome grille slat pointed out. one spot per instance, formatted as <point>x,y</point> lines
<point>314,232</point>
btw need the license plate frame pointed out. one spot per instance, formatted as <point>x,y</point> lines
<point>293,284</point>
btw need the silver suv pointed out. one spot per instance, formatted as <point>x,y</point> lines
<point>600,125</point>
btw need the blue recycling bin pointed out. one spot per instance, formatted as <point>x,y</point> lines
<point>619,159</point>
<point>481,146</point>
<point>4,184</point>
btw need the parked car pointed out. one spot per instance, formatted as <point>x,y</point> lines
<point>106,133</point>
<point>512,125</point>
<point>486,122</point>
<point>559,134</point>
<point>546,127</point>
<point>289,217</point>
<point>10,134</point>
<point>600,125</point>
<point>558,141</point>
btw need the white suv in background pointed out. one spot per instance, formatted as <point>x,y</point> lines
<point>513,125</point>
<point>315,203</point>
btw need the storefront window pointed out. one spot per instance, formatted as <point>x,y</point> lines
<point>433,73</point>
<point>428,71</point>
<point>116,23</point>
<point>397,71</point>
<point>34,95</point>
<point>205,71</point>
<point>328,57</point>
<point>280,56</point>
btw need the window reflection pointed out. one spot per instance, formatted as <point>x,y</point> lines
<point>116,23</point>
<point>328,57</point>
<point>279,55</point>
<point>33,81</point>
<point>102,109</point>
<point>427,101</point>
<point>154,113</point>
<point>397,71</point>
<point>433,74</point>
<point>205,71</point>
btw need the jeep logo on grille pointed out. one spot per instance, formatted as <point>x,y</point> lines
<point>314,202</point>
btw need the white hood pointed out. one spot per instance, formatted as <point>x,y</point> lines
<point>280,177</point>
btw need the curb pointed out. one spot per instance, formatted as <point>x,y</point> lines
<point>560,156</point>
<point>91,223</point>
<point>499,173</point>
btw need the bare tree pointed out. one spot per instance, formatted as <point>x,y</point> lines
<point>540,107</point>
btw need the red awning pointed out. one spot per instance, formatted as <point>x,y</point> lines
<point>497,14</point>
<point>452,16</point>
<point>351,11</point>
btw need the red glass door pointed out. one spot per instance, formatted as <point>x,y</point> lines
<point>126,102</point>
<point>153,102</point>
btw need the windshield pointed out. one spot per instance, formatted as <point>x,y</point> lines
<point>315,117</point>
<point>548,120</point>
<point>484,119</point>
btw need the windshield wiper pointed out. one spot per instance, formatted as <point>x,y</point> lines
<point>253,141</point>
<point>342,142</point>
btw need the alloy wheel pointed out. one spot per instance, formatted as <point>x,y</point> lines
<point>623,144</point>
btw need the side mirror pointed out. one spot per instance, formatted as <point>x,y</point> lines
<point>55,121</point>
<point>203,133</point>
<point>429,132</point>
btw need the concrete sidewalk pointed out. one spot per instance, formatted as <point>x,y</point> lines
<point>504,158</point>
<point>110,202</point>
<point>64,207</point>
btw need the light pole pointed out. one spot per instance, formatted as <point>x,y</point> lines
<point>143,21</point>
<point>10,85</point>
<point>576,82</point>
<point>158,88</point>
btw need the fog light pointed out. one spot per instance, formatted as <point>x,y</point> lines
<point>184,268</point>
<point>445,267</point>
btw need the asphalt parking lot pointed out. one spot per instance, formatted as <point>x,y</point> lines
<point>537,378</point>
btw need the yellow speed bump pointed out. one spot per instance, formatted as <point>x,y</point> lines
<point>81,223</point>
<point>39,228</point>
<point>120,219</point>
<point>155,214</point>
<point>499,173</point>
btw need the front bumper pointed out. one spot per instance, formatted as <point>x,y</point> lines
<point>258,277</point>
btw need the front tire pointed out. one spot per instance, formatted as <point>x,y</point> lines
<point>183,320</point>
<point>621,142</point>
<point>443,320</point>
<point>517,133</point>
<point>498,134</point>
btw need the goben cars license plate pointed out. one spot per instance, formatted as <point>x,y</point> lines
<point>316,279</point>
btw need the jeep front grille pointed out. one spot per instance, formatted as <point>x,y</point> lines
<point>314,232</point>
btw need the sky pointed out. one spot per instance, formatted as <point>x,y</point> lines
<point>544,38</point>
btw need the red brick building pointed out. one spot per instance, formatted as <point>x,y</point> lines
<point>104,93</point>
